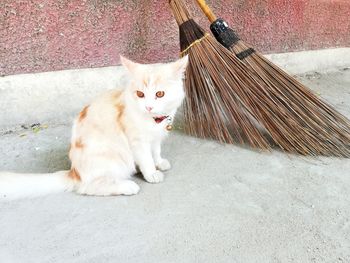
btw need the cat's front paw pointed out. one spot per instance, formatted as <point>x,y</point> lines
<point>164,165</point>
<point>128,187</point>
<point>155,178</point>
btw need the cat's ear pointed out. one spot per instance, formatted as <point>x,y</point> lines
<point>179,66</point>
<point>128,64</point>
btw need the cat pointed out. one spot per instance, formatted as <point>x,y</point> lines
<point>119,132</point>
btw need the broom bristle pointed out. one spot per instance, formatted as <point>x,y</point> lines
<point>224,97</point>
<point>308,110</point>
<point>298,93</point>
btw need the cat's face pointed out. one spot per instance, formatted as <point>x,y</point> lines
<point>156,89</point>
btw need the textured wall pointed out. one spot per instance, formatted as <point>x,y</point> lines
<point>46,35</point>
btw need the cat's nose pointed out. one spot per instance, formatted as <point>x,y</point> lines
<point>149,108</point>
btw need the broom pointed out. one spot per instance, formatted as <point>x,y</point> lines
<point>225,99</point>
<point>303,108</point>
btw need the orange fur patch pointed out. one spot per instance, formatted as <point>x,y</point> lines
<point>145,82</point>
<point>83,113</point>
<point>74,174</point>
<point>79,143</point>
<point>120,110</point>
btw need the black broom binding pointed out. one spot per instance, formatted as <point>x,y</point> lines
<point>228,37</point>
<point>225,35</point>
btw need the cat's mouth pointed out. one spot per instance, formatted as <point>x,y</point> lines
<point>159,119</point>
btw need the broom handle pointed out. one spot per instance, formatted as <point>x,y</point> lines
<point>206,10</point>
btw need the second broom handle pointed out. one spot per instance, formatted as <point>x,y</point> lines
<point>206,10</point>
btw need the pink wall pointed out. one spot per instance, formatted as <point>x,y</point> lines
<point>46,35</point>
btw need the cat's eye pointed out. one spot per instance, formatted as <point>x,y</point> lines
<point>140,94</point>
<point>160,94</point>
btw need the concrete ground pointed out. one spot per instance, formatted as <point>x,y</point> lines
<point>219,203</point>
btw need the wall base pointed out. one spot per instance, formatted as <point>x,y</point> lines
<point>56,97</point>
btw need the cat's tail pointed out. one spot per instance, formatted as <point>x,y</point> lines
<point>18,185</point>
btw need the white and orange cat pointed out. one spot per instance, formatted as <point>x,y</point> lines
<point>118,132</point>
